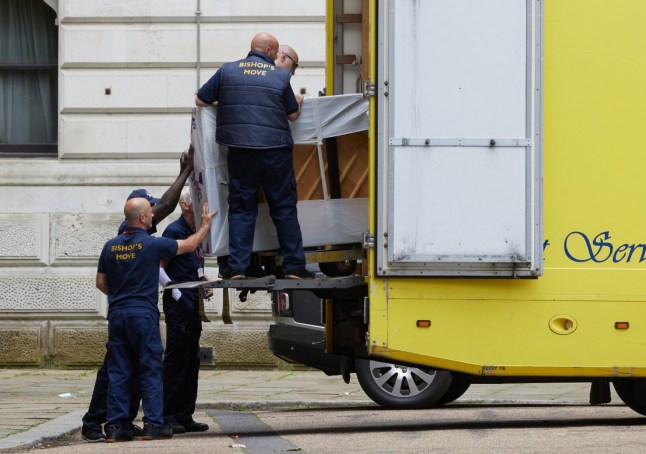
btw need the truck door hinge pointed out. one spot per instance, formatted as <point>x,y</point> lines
<point>366,310</point>
<point>369,89</point>
<point>368,240</point>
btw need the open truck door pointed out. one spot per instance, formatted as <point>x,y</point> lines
<point>459,180</point>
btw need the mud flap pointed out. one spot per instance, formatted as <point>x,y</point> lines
<point>600,391</point>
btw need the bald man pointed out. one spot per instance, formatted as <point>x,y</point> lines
<point>255,101</point>
<point>128,273</point>
<point>96,415</point>
<point>287,58</point>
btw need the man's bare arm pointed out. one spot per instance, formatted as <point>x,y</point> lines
<point>168,201</point>
<point>102,282</point>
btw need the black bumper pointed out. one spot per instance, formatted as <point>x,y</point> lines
<point>305,346</point>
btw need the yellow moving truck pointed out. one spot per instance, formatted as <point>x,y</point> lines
<point>507,240</point>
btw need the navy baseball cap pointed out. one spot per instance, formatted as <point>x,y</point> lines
<point>143,194</point>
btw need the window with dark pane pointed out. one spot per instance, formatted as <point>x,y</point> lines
<point>28,79</point>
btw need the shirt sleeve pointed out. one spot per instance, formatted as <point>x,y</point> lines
<point>209,91</point>
<point>102,266</point>
<point>289,100</point>
<point>170,233</point>
<point>166,247</point>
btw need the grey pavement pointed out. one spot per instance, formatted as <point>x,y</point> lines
<point>41,405</point>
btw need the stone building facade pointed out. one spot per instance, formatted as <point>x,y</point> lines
<point>127,75</point>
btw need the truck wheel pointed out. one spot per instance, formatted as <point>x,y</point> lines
<point>334,269</point>
<point>457,388</point>
<point>401,387</point>
<point>633,392</point>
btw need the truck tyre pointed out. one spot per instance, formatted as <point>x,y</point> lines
<point>459,385</point>
<point>633,392</point>
<point>336,269</point>
<point>398,387</point>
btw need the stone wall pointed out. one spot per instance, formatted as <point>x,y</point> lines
<point>51,314</point>
<point>128,72</point>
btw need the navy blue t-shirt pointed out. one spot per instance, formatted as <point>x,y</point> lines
<point>131,263</point>
<point>184,267</point>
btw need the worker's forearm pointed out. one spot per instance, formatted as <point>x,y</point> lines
<point>192,242</point>
<point>102,283</point>
<point>170,198</point>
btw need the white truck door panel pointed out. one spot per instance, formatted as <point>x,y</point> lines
<point>459,138</point>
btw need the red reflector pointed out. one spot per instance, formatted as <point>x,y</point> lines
<point>283,302</point>
<point>622,325</point>
<point>423,323</point>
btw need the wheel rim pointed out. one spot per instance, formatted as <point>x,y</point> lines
<point>400,381</point>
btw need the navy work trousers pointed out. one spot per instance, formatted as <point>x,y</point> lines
<point>181,362</point>
<point>273,171</point>
<point>134,344</point>
<point>97,414</point>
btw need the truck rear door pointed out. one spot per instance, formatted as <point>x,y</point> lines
<point>459,141</point>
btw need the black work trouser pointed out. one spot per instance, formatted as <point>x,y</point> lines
<point>181,365</point>
<point>97,414</point>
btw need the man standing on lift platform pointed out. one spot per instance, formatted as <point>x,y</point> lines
<point>255,100</point>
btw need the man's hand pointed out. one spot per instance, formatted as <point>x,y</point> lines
<point>207,217</point>
<point>186,160</point>
<point>192,242</point>
<point>294,115</point>
<point>208,292</point>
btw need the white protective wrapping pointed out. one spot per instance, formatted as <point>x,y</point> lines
<point>323,222</point>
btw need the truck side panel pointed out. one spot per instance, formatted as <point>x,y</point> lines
<point>565,322</point>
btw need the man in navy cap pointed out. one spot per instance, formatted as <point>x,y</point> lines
<point>96,415</point>
<point>144,194</point>
<point>154,201</point>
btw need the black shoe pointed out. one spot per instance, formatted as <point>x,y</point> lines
<point>177,428</point>
<point>298,274</point>
<point>233,274</point>
<point>254,271</point>
<point>223,271</point>
<point>137,431</point>
<point>157,433</point>
<point>114,433</point>
<point>92,435</point>
<point>194,426</point>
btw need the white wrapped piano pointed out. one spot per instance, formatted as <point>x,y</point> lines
<point>331,166</point>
